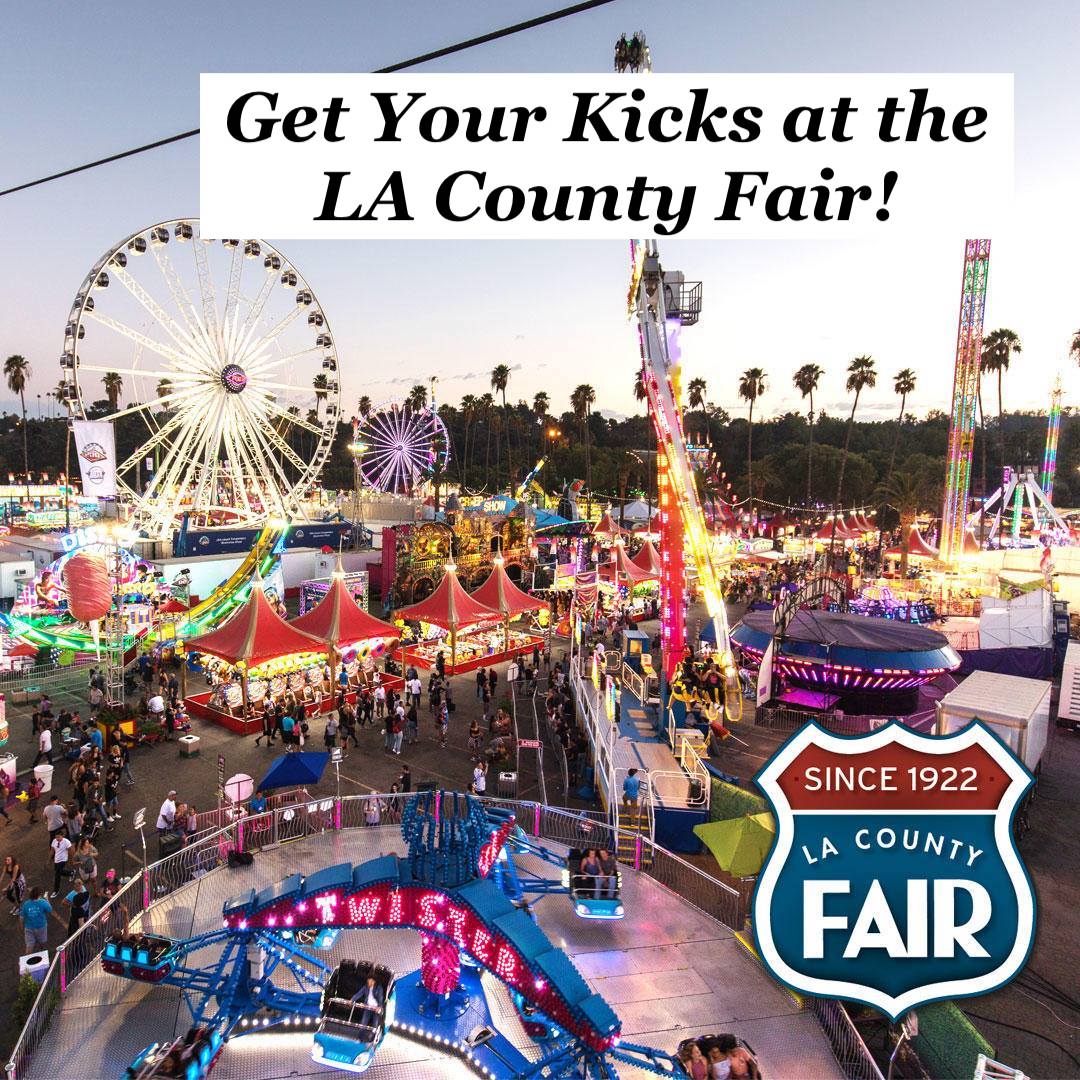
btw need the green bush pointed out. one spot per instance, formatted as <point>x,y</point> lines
<point>948,1044</point>
<point>25,997</point>
<point>729,801</point>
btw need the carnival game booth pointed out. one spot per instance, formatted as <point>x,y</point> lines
<point>253,657</point>
<point>866,665</point>
<point>353,639</point>
<point>466,631</point>
<point>626,586</point>
<point>501,594</point>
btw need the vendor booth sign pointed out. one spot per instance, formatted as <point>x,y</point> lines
<point>894,879</point>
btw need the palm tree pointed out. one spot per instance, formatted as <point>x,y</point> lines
<point>486,403</point>
<point>903,384</point>
<point>695,398</point>
<point>751,387</point>
<point>641,392</point>
<point>113,384</point>
<point>998,348</point>
<point>500,376</point>
<point>861,374</point>
<point>906,495</point>
<point>17,372</point>
<point>468,413</point>
<point>164,388</point>
<point>540,405</point>
<point>806,381</point>
<point>581,401</point>
<point>363,407</point>
<point>417,397</point>
<point>321,386</point>
<point>1074,346</point>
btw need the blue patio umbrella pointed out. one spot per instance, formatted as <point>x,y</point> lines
<point>294,770</point>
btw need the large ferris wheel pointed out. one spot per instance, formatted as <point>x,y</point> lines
<point>217,364</point>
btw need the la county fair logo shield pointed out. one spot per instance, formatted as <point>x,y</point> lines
<point>894,879</point>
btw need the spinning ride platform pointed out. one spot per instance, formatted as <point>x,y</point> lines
<point>667,970</point>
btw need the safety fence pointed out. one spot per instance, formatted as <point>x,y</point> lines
<point>25,682</point>
<point>158,881</point>
<point>847,1044</point>
<point>782,718</point>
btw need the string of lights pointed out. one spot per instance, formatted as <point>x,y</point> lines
<point>401,65</point>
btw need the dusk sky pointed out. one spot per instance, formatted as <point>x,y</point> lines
<point>82,82</point>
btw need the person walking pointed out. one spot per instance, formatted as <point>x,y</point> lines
<point>481,684</point>
<point>35,914</point>
<point>79,901</point>
<point>61,847</point>
<point>412,726</point>
<point>416,689</point>
<point>33,797</point>
<point>331,730</point>
<point>15,882</point>
<point>45,744</point>
<point>55,817</point>
<point>267,732</point>
<point>404,781</point>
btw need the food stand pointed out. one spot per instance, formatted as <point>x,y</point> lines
<point>349,633</point>
<point>501,594</point>
<point>256,655</point>
<point>471,632</point>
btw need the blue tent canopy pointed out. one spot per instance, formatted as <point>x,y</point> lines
<point>295,770</point>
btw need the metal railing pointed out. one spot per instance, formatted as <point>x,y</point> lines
<point>49,676</point>
<point>143,892</point>
<point>847,1044</point>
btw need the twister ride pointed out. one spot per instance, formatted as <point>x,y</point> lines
<point>228,367</point>
<point>459,889</point>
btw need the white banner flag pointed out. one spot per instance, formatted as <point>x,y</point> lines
<point>96,446</point>
<point>764,681</point>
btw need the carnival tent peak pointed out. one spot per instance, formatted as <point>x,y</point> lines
<point>338,620</point>
<point>621,565</point>
<point>255,634</point>
<point>648,558</point>
<point>449,606</point>
<point>607,527</point>
<point>501,594</point>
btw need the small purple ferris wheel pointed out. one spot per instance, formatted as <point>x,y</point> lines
<point>401,447</point>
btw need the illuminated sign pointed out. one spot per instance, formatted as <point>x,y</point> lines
<point>446,915</point>
<point>80,538</point>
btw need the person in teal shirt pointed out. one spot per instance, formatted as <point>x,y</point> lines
<point>258,803</point>
<point>35,914</point>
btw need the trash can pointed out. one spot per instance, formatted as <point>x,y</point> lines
<point>507,785</point>
<point>34,964</point>
<point>44,774</point>
<point>169,844</point>
<point>189,745</point>
<point>697,790</point>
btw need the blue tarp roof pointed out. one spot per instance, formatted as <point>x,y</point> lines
<point>295,770</point>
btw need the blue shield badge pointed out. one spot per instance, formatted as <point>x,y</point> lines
<point>894,878</point>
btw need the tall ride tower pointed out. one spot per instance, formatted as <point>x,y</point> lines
<point>965,394</point>
<point>1053,429</point>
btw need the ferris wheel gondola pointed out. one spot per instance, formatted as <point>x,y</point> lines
<point>226,367</point>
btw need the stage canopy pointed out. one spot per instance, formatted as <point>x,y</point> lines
<point>501,594</point>
<point>338,620</point>
<point>449,606</point>
<point>255,634</point>
<point>648,558</point>
<point>639,510</point>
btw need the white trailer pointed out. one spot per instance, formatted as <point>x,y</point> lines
<point>1017,710</point>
